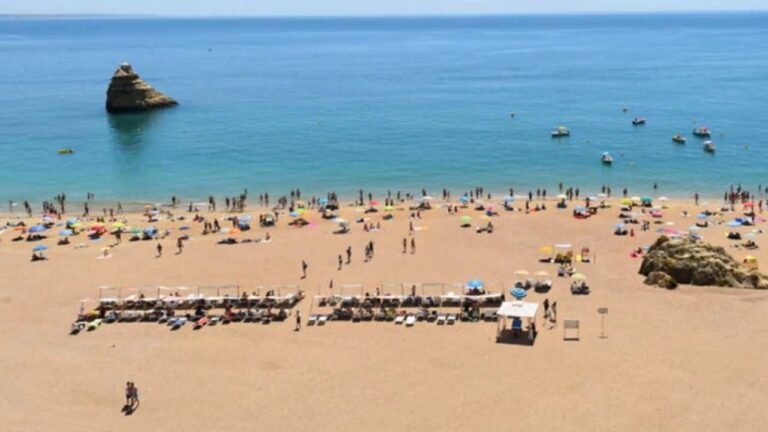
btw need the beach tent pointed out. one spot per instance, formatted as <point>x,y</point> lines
<point>516,309</point>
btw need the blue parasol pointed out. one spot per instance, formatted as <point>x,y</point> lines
<point>518,293</point>
<point>37,228</point>
<point>39,248</point>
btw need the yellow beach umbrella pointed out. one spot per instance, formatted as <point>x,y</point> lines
<point>546,250</point>
<point>118,225</point>
<point>626,201</point>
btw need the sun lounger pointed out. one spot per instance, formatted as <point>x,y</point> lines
<point>77,327</point>
<point>93,325</point>
<point>201,323</point>
<point>400,319</point>
<point>178,323</point>
<point>312,320</point>
<point>322,319</point>
<point>441,318</point>
<point>410,321</point>
<point>451,319</point>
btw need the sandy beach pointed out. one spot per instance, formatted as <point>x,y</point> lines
<point>688,359</point>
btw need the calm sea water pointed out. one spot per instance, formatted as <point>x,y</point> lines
<point>400,103</point>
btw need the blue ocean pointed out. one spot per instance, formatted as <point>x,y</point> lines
<point>326,104</point>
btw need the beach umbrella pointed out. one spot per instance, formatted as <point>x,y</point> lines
<point>37,228</point>
<point>47,219</point>
<point>322,201</point>
<point>518,293</point>
<point>580,209</point>
<point>475,284</point>
<point>294,214</point>
<point>39,248</point>
<point>388,208</point>
<point>245,218</point>
<point>509,198</point>
<point>731,224</point>
<point>694,228</point>
<point>701,216</point>
<point>592,198</point>
<point>546,250</point>
<point>602,195</point>
<point>620,226</point>
<point>663,199</point>
<point>340,221</point>
<point>65,233</point>
<point>118,225</point>
<point>646,199</point>
<point>521,274</point>
<point>625,201</point>
<point>71,221</point>
<point>541,274</point>
<point>374,203</point>
<point>579,277</point>
<point>466,219</point>
<point>76,225</point>
<point>635,198</point>
<point>561,196</point>
<point>427,198</point>
<point>464,199</point>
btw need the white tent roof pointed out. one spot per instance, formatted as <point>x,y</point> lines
<point>519,309</point>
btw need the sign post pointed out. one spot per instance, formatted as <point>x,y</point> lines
<point>603,311</point>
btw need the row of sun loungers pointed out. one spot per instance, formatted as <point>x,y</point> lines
<point>408,319</point>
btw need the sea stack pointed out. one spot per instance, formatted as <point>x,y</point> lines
<point>127,92</point>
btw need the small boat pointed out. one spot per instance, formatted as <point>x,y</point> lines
<point>638,121</point>
<point>678,139</point>
<point>560,132</point>
<point>702,132</point>
<point>65,151</point>
<point>709,146</point>
<point>606,158</point>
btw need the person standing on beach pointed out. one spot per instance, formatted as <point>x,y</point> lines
<point>546,308</point>
<point>413,246</point>
<point>159,250</point>
<point>180,245</point>
<point>405,245</point>
<point>349,254</point>
<point>341,261</point>
<point>134,395</point>
<point>304,267</point>
<point>128,394</point>
<point>298,321</point>
<point>553,315</point>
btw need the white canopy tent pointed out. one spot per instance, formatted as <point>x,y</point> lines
<point>517,309</point>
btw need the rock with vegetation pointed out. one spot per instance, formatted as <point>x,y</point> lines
<point>686,261</point>
<point>127,92</point>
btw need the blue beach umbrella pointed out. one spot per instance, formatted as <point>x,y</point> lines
<point>293,214</point>
<point>733,224</point>
<point>509,198</point>
<point>518,293</point>
<point>65,233</point>
<point>246,218</point>
<point>580,209</point>
<point>701,216</point>
<point>620,226</point>
<point>72,221</point>
<point>39,248</point>
<point>475,284</point>
<point>37,228</point>
<point>322,201</point>
<point>464,199</point>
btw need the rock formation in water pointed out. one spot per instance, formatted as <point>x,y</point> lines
<point>685,261</point>
<point>127,92</point>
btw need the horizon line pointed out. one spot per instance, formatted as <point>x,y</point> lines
<point>392,15</point>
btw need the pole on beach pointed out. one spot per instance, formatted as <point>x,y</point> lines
<point>603,312</point>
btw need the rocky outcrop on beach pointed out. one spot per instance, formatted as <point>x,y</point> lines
<point>127,92</point>
<point>685,261</point>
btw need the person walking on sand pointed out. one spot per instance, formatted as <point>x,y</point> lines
<point>298,321</point>
<point>546,308</point>
<point>413,246</point>
<point>304,267</point>
<point>341,261</point>
<point>405,245</point>
<point>349,254</point>
<point>180,245</point>
<point>159,250</point>
<point>128,394</point>
<point>554,312</point>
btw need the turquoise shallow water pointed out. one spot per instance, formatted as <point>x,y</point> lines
<point>399,103</point>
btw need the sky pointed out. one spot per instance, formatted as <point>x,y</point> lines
<point>364,7</point>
